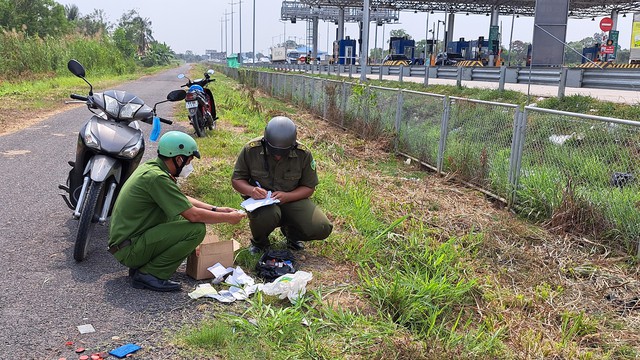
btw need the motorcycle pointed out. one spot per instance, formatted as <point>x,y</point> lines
<point>109,148</point>
<point>200,103</point>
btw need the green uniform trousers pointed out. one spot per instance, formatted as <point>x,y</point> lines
<point>300,220</point>
<point>161,249</point>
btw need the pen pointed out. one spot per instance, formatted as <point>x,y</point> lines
<point>257,183</point>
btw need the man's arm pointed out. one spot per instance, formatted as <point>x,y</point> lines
<point>195,214</point>
<point>243,187</point>
<point>299,193</point>
<point>209,214</point>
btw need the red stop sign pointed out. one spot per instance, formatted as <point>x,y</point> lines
<point>606,24</point>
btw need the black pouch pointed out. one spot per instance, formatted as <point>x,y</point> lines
<point>275,263</point>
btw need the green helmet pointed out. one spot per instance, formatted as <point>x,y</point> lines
<point>175,143</point>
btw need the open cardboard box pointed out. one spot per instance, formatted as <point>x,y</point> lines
<point>208,253</point>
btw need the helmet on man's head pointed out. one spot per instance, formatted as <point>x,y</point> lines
<point>280,135</point>
<point>176,143</point>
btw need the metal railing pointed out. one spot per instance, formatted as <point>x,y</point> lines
<point>607,78</point>
<point>573,171</point>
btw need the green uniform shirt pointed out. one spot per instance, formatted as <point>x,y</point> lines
<point>148,198</point>
<point>297,169</point>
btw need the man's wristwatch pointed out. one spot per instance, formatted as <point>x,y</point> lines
<point>214,208</point>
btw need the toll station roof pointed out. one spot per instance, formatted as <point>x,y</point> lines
<point>577,8</point>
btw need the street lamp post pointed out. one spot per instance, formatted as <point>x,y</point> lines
<point>240,16</point>
<point>232,3</point>
<point>438,35</point>
<point>254,29</point>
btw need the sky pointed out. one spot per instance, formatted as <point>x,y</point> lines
<point>199,25</point>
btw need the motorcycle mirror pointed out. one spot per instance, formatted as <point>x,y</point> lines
<point>176,95</point>
<point>180,76</point>
<point>76,68</point>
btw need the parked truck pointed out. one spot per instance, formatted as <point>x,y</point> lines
<point>279,55</point>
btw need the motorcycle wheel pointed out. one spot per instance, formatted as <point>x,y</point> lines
<point>198,123</point>
<point>86,221</point>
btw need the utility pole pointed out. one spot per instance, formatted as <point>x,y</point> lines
<point>232,12</point>
<point>226,33</point>
<point>254,29</point>
<point>221,34</point>
<point>240,15</point>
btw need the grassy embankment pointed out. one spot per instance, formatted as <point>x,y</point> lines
<point>400,277</point>
<point>34,79</point>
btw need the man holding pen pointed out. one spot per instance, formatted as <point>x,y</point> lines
<point>276,162</point>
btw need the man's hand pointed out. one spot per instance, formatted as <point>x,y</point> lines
<point>235,216</point>
<point>258,193</point>
<point>283,196</point>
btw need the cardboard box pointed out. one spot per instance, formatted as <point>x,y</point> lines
<point>208,253</point>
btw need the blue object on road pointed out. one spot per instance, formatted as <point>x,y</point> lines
<point>124,350</point>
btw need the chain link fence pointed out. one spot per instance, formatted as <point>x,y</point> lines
<point>577,173</point>
<point>571,171</point>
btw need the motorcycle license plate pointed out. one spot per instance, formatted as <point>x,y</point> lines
<point>192,104</point>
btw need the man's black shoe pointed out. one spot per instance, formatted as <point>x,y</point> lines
<point>255,249</point>
<point>141,281</point>
<point>295,245</point>
<point>132,272</point>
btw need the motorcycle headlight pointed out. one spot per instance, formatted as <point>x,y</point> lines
<point>90,140</point>
<point>128,110</point>
<point>111,105</point>
<point>131,151</point>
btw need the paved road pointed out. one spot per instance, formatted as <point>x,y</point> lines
<point>44,293</point>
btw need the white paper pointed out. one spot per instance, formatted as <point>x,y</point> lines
<point>219,270</point>
<point>85,329</point>
<point>251,204</point>
<point>224,296</point>
<point>203,290</point>
<point>239,278</point>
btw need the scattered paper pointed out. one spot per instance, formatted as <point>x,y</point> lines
<point>203,290</point>
<point>219,272</point>
<point>242,285</point>
<point>251,204</point>
<point>85,329</point>
<point>239,278</point>
<point>224,296</point>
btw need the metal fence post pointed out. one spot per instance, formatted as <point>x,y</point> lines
<point>364,101</point>
<point>401,73</point>
<point>563,82</point>
<point>344,102</point>
<point>444,129</point>
<point>522,131</point>
<point>459,77</point>
<point>398,119</point>
<point>426,75</point>
<point>380,69</point>
<point>515,139</point>
<point>325,97</point>
<point>503,78</point>
<point>350,70</point>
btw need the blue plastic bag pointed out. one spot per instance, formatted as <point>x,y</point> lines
<point>155,130</point>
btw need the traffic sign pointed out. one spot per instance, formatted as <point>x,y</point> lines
<point>606,24</point>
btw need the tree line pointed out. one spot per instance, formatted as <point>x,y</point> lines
<point>39,36</point>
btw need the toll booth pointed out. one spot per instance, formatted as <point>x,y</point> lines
<point>592,53</point>
<point>470,49</point>
<point>347,51</point>
<point>402,45</point>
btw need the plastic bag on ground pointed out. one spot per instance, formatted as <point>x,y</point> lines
<point>291,286</point>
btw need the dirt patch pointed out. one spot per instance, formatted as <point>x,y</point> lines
<point>13,119</point>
